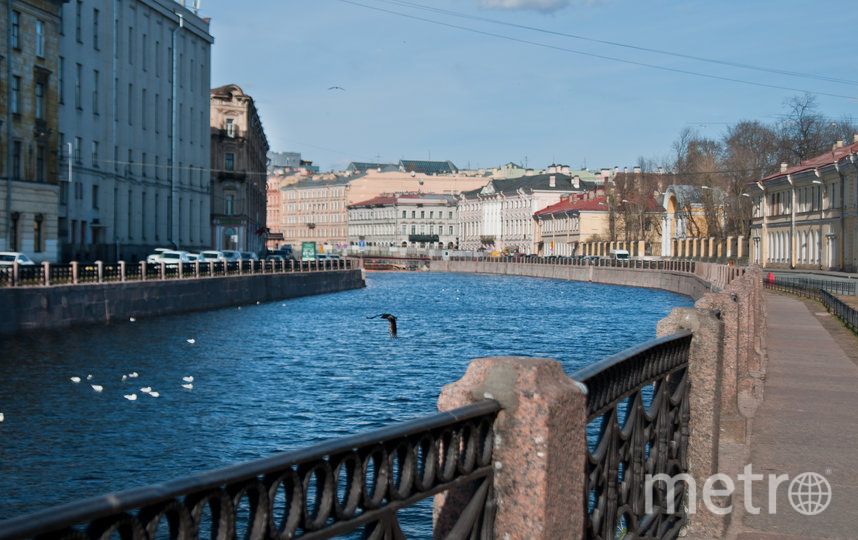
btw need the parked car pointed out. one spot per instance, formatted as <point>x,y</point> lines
<point>212,255</point>
<point>8,258</point>
<point>249,256</point>
<point>231,255</point>
<point>169,257</point>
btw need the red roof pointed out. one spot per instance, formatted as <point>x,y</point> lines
<point>571,205</point>
<point>828,158</point>
<point>376,201</point>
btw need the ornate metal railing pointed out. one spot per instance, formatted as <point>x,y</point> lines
<point>638,413</point>
<point>64,274</point>
<point>357,483</point>
<point>795,285</point>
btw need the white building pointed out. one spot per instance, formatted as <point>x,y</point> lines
<point>415,220</point>
<point>134,80</point>
<point>500,215</point>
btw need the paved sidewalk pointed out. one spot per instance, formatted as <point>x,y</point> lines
<point>808,422</point>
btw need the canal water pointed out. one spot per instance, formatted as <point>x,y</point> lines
<point>278,376</point>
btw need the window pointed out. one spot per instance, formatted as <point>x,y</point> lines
<point>95,91</point>
<point>143,52</point>
<point>40,39</point>
<point>16,29</point>
<point>130,104</point>
<point>40,101</point>
<point>78,69</point>
<point>157,167</point>
<point>143,164</point>
<point>404,229</point>
<point>229,201</point>
<point>95,17</point>
<point>157,58</point>
<point>95,154</point>
<point>128,168</point>
<point>16,95</point>
<point>37,233</point>
<point>77,10</point>
<point>413,214</point>
<point>451,229</point>
<point>414,229</point>
<point>230,127</point>
<point>155,221</point>
<point>130,213</point>
<point>143,215</point>
<point>157,113</point>
<point>143,108</point>
<point>130,44</point>
<point>229,161</point>
<point>78,142</point>
<point>95,197</point>
<point>40,163</point>
<point>16,159</point>
<point>60,79</point>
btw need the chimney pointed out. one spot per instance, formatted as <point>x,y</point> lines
<point>552,169</point>
<point>855,138</point>
<point>552,181</point>
<point>528,172</point>
<point>616,170</point>
<point>784,167</point>
<point>576,181</point>
<point>625,170</point>
<point>565,169</point>
<point>637,170</point>
<point>839,143</point>
<point>660,170</point>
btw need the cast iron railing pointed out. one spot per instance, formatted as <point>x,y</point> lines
<point>65,274</point>
<point>357,483</point>
<point>637,409</point>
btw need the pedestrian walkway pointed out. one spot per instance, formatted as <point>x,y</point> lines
<point>807,423</point>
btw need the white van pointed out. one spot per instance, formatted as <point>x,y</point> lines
<point>619,254</point>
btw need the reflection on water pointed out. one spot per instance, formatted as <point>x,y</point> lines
<point>278,376</point>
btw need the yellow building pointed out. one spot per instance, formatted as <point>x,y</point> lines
<point>29,197</point>
<point>806,216</point>
<point>577,219</point>
<point>687,211</point>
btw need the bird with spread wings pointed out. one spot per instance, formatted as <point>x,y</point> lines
<point>391,319</point>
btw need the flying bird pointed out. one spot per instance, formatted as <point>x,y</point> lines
<point>337,88</point>
<point>390,319</point>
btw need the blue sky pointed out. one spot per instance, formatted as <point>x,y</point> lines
<point>498,92</point>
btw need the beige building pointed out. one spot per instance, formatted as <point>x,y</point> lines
<point>28,135</point>
<point>806,216</point>
<point>576,219</point>
<point>315,209</point>
<point>238,177</point>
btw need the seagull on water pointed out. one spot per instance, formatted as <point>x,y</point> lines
<point>189,378</point>
<point>132,319</point>
<point>124,378</point>
<point>133,375</point>
<point>191,341</point>
<point>130,397</point>
<point>97,387</point>
<point>75,380</point>
<point>2,417</point>
<point>154,394</point>
<point>189,386</point>
<point>89,377</point>
<point>146,389</point>
<point>391,319</point>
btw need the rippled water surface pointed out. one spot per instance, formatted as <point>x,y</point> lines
<point>278,376</point>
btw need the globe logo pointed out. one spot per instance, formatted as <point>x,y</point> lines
<point>809,493</point>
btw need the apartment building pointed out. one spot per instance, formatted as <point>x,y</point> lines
<point>133,91</point>
<point>238,176</point>
<point>410,220</point>
<point>28,128</point>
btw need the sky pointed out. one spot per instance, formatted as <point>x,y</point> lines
<point>584,83</point>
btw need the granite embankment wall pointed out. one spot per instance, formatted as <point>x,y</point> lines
<point>33,308</point>
<point>677,282</point>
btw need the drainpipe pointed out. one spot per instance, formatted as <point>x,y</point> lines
<point>8,124</point>
<point>174,188</point>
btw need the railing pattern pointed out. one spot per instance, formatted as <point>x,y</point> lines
<point>638,402</point>
<point>67,274</point>
<point>357,483</point>
<point>821,291</point>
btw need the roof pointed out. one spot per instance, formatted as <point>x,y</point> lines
<point>227,90</point>
<point>596,204</point>
<point>392,199</point>
<point>310,183</point>
<point>366,166</point>
<point>823,160</point>
<point>427,167</point>
<point>539,182</point>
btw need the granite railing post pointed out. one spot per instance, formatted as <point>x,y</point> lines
<point>100,267</point>
<point>121,270</point>
<point>197,268</point>
<point>540,448</point>
<point>46,271</point>
<point>75,272</point>
<point>161,271</point>
<point>704,371</point>
<point>142,270</point>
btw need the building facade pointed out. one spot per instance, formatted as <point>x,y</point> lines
<point>134,118</point>
<point>806,216</point>
<point>315,211</point>
<point>562,227</point>
<point>28,134</point>
<point>239,175</point>
<point>409,220</point>
<point>499,216</point>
